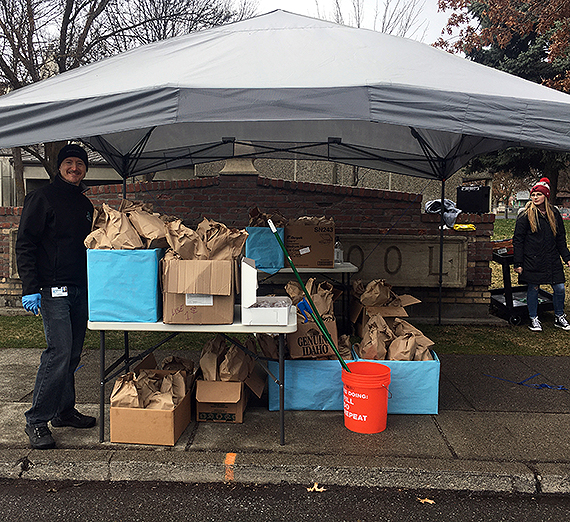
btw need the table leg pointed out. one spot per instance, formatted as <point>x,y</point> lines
<point>127,353</point>
<point>102,386</point>
<point>282,388</point>
<point>345,303</point>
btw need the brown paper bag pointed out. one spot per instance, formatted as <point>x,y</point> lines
<point>259,219</point>
<point>235,366</point>
<point>149,227</point>
<point>401,327</point>
<point>98,239</point>
<point>269,345</point>
<point>294,291</point>
<point>184,241</point>
<point>98,217</point>
<point>119,231</point>
<point>357,289</point>
<point>344,347</point>
<point>322,295</point>
<point>212,355</point>
<point>403,348</point>
<point>173,362</point>
<point>179,389</point>
<point>377,338</point>
<point>125,393</point>
<point>126,205</point>
<point>162,399</point>
<point>377,293</point>
<point>222,243</point>
<point>423,353</point>
<point>148,383</point>
<point>251,344</point>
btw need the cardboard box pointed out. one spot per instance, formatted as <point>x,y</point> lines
<point>317,385</point>
<point>310,246</point>
<point>225,401</point>
<point>154,427</point>
<point>124,285</point>
<point>220,401</point>
<point>253,311</point>
<point>198,291</point>
<point>308,342</point>
<point>263,248</point>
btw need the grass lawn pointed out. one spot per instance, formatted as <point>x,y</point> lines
<point>27,331</point>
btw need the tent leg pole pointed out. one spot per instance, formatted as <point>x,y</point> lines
<point>441,224</point>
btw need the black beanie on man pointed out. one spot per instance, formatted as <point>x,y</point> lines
<point>72,151</point>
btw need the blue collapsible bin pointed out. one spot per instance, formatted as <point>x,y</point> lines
<point>317,385</point>
<point>264,249</point>
<point>124,285</point>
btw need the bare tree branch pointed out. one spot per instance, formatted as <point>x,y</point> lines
<point>41,38</point>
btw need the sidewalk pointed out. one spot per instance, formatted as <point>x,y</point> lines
<point>490,435</point>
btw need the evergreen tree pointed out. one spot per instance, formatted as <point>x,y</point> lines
<point>524,50</point>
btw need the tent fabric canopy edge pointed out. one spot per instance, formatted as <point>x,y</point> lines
<point>359,103</point>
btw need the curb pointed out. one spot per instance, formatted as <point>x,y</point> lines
<point>265,468</point>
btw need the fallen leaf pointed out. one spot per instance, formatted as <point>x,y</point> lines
<point>426,500</point>
<point>316,488</point>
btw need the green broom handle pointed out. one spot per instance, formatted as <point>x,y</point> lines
<point>318,318</point>
<point>315,313</point>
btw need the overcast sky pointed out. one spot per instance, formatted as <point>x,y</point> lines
<point>435,21</point>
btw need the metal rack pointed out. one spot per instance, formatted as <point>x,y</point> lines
<point>510,302</point>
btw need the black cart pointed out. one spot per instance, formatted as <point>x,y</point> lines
<point>510,302</point>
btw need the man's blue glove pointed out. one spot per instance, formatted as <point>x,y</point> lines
<point>32,303</point>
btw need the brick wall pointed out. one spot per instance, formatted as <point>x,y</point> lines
<point>228,198</point>
<point>10,288</point>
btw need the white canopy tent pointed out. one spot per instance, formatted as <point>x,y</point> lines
<point>290,87</point>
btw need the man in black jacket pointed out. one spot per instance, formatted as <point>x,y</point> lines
<point>52,264</point>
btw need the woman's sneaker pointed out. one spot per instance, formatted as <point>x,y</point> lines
<point>535,325</point>
<point>560,321</point>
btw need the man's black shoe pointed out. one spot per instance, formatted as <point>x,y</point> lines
<point>40,437</point>
<point>75,420</point>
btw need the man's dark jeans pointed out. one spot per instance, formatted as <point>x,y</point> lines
<point>65,323</point>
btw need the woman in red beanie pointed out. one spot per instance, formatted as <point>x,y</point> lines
<point>539,242</point>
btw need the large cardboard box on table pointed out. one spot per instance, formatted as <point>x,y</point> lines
<point>317,385</point>
<point>149,426</point>
<point>124,285</point>
<point>268,310</point>
<point>198,291</point>
<point>310,245</point>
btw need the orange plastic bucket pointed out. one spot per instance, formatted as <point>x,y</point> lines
<point>365,394</point>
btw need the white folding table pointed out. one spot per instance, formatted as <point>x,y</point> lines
<point>340,269</point>
<point>124,363</point>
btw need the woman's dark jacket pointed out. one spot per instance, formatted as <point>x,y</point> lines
<point>539,253</point>
<point>55,221</point>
